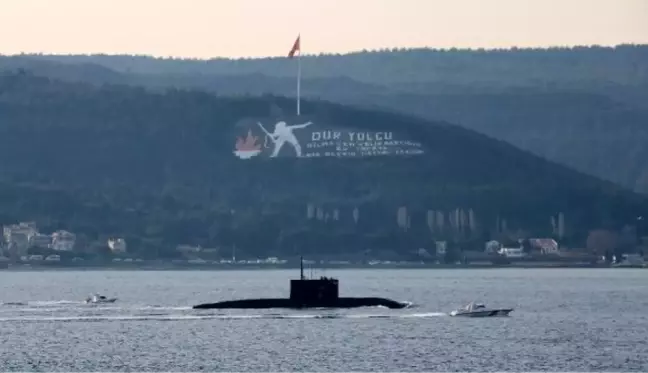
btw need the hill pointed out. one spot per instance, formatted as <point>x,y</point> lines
<point>575,106</point>
<point>538,67</point>
<point>160,169</point>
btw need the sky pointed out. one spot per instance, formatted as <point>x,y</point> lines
<point>256,28</point>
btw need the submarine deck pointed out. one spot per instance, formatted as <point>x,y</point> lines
<point>352,302</point>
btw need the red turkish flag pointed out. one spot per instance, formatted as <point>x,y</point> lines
<point>296,47</point>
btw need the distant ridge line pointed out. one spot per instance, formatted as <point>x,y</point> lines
<point>341,54</point>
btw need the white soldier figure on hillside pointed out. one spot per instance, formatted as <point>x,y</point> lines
<point>284,134</point>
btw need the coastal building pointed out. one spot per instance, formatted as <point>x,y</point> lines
<point>16,236</point>
<point>26,228</point>
<point>42,241</point>
<point>422,253</point>
<point>18,244</point>
<point>492,246</point>
<point>117,245</point>
<point>63,241</point>
<point>441,247</point>
<point>544,245</point>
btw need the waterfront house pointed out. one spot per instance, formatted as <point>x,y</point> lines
<point>117,245</point>
<point>26,228</point>
<point>16,236</point>
<point>63,241</point>
<point>544,245</point>
<point>18,244</point>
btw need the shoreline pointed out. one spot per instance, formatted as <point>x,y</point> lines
<point>269,267</point>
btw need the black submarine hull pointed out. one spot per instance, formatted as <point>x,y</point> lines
<point>288,303</point>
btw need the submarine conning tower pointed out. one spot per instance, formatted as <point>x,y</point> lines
<point>313,292</point>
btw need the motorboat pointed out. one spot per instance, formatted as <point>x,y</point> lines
<point>474,309</point>
<point>96,298</point>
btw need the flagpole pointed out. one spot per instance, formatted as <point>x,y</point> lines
<point>299,79</point>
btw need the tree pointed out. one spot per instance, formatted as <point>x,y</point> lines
<point>602,241</point>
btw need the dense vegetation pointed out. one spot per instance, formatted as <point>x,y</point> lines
<point>584,107</point>
<point>158,169</point>
<point>580,66</point>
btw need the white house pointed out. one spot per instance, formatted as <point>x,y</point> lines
<point>18,243</point>
<point>23,228</point>
<point>117,245</point>
<point>17,236</point>
<point>63,241</point>
<point>544,245</point>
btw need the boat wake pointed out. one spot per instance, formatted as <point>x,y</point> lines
<point>172,317</point>
<point>77,311</point>
<point>43,303</point>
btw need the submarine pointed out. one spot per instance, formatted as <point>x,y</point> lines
<point>307,293</point>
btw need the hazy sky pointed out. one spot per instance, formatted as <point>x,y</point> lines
<point>237,28</point>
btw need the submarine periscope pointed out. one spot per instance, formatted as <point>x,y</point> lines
<point>307,293</point>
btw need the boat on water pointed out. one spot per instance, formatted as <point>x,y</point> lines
<point>474,309</point>
<point>96,298</point>
<point>308,293</point>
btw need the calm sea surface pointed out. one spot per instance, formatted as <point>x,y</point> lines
<point>564,320</point>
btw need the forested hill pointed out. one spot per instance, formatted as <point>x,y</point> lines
<point>163,169</point>
<point>578,66</point>
<point>585,107</point>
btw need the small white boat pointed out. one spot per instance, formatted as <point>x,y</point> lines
<point>479,310</point>
<point>96,298</point>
